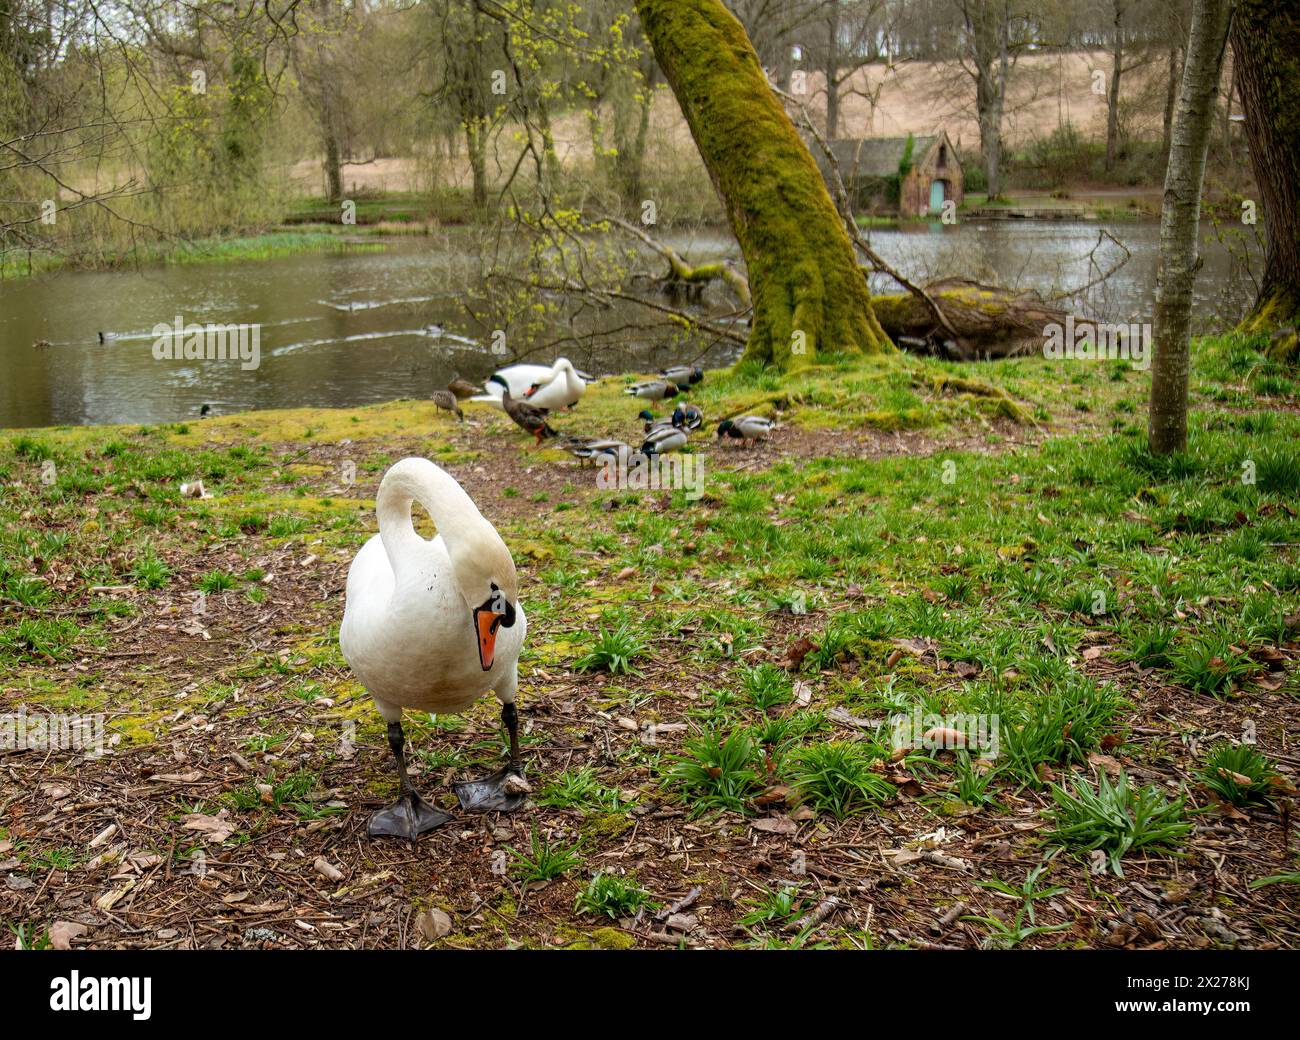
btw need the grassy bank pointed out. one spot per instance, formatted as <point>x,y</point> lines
<point>205,250</point>
<point>707,682</point>
<point>390,209</point>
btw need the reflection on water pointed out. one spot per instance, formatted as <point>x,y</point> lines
<point>343,329</point>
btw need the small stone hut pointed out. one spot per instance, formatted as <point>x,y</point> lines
<point>910,176</point>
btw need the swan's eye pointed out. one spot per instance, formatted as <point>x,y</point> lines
<point>500,607</point>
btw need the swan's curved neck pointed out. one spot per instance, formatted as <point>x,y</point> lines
<point>418,480</point>
<point>560,369</point>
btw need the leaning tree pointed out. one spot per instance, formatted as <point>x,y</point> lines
<point>808,292</point>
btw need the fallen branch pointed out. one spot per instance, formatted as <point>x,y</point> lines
<point>1102,235</point>
<point>816,916</point>
<point>992,322</point>
<point>681,271</point>
<point>682,317</point>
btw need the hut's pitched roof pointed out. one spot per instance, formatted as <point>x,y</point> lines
<point>876,156</point>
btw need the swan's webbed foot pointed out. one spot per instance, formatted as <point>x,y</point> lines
<point>504,791</point>
<point>408,817</point>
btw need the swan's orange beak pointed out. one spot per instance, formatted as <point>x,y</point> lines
<point>487,622</point>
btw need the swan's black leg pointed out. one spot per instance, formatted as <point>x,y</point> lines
<point>510,719</point>
<point>409,816</point>
<point>506,789</point>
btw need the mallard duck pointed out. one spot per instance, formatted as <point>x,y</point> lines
<point>41,344</point>
<point>650,421</point>
<point>663,439</point>
<point>600,449</point>
<point>432,625</point>
<point>462,388</point>
<point>653,390</point>
<point>749,428</point>
<point>683,375</point>
<point>546,386</point>
<point>527,416</point>
<point>107,337</point>
<point>446,400</point>
<point>688,417</point>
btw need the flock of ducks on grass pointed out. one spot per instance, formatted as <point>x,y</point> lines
<point>528,393</point>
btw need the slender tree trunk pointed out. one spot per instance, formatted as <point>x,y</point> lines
<point>1112,96</point>
<point>333,161</point>
<point>629,161</point>
<point>831,68</point>
<point>1180,219</point>
<point>988,28</point>
<point>1227,113</point>
<point>808,291</point>
<point>476,150</point>
<point>1266,48</point>
<point>631,97</point>
<point>1004,71</point>
<point>550,161</point>
<point>1171,99</point>
<point>991,140</point>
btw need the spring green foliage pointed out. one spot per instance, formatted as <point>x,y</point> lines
<point>905,162</point>
<point>613,895</point>
<point>545,860</point>
<point>1238,773</point>
<point>613,650</point>
<point>839,777</point>
<point>716,772</point>
<point>1004,934</point>
<point>1117,818</point>
<point>207,167</point>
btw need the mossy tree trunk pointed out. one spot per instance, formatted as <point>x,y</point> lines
<point>1180,217</point>
<point>1266,52</point>
<point>809,294</point>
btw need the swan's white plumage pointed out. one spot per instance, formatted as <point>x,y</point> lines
<point>558,385</point>
<point>408,630</point>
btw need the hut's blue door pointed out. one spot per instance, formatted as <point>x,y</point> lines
<point>936,196</point>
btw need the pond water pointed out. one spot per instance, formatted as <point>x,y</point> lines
<point>341,329</point>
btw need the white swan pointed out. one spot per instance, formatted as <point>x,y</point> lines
<point>433,625</point>
<point>544,386</point>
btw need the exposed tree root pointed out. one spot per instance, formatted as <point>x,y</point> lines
<point>939,382</point>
